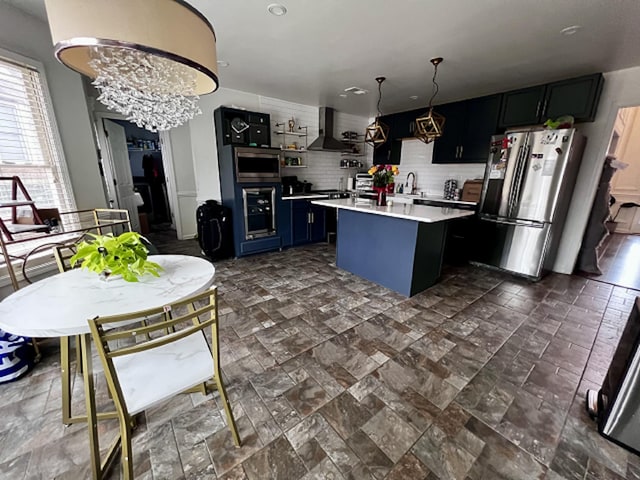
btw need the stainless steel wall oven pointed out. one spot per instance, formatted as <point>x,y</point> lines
<point>257,164</point>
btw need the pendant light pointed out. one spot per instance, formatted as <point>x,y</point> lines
<point>377,133</point>
<point>148,59</point>
<point>430,125</point>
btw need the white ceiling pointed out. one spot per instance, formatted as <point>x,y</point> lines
<point>322,47</point>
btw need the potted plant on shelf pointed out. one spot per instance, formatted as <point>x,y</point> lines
<point>383,181</point>
<point>124,255</point>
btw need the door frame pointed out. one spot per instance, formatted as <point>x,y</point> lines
<point>167,165</point>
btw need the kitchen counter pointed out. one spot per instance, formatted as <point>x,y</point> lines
<point>434,198</point>
<point>416,213</point>
<point>304,196</point>
<point>399,246</point>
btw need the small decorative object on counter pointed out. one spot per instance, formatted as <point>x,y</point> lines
<point>383,177</point>
<point>450,188</point>
<point>124,255</point>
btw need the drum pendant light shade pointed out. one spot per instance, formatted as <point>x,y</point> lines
<point>377,133</point>
<point>430,125</point>
<point>150,59</point>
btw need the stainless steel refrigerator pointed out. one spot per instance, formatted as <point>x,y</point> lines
<point>527,188</point>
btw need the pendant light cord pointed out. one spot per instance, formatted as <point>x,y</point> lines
<point>379,96</point>
<point>436,87</point>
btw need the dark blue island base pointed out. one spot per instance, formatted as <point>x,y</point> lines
<point>402,255</point>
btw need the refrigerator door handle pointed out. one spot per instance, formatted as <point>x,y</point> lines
<point>509,221</point>
<point>517,183</point>
<point>514,180</point>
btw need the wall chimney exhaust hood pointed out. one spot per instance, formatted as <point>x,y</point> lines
<point>325,140</point>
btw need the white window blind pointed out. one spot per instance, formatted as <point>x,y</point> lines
<point>28,146</point>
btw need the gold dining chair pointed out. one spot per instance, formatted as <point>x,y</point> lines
<point>143,372</point>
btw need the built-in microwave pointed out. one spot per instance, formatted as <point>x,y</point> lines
<point>257,164</point>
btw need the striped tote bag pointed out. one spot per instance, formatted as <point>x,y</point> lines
<point>16,356</point>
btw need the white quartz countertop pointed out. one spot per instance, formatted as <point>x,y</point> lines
<point>304,196</point>
<point>417,213</point>
<point>431,197</point>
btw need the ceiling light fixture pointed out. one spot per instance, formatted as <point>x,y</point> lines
<point>277,9</point>
<point>377,133</point>
<point>343,95</point>
<point>413,97</point>
<point>572,30</point>
<point>430,125</point>
<point>223,64</point>
<point>152,78</point>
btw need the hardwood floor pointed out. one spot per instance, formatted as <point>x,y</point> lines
<point>620,260</point>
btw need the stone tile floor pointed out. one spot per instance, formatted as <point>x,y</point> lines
<point>332,377</point>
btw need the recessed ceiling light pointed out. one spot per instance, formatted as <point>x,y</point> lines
<point>277,9</point>
<point>343,95</point>
<point>572,30</point>
<point>413,97</point>
<point>223,64</point>
<point>360,91</point>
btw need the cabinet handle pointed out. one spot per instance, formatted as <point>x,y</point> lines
<point>538,109</point>
<point>412,126</point>
<point>457,151</point>
<point>461,150</point>
<point>544,108</point>
<point>308,217</point>
<point>313,217</point>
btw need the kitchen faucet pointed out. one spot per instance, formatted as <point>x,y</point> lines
<point>414,186</point>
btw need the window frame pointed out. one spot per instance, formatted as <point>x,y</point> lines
<point>43,263</point>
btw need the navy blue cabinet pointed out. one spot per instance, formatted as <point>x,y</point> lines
<point>577,97</point>
<point>318,225</point>
<point>467,130</point>
<point>308,222</point>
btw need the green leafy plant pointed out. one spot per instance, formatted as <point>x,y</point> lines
<point>124,255</point>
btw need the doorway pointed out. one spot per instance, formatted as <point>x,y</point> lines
<point>135,179</point>
<point>618,253</point>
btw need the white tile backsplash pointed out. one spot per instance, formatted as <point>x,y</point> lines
<point>323,168</point>
<point>416,157</point>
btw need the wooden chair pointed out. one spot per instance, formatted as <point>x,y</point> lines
<point>141,372</point>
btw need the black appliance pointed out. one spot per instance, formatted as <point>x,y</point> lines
<point>292,186</point>
<point>617,404</point>
<point>242,128</point>
<point>215,230</point>
<point>257,164</point>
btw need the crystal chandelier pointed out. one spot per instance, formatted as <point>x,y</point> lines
<point>150,60</point>
<point>153,92</point>
<point>430,125</point>
<point>377,133</point>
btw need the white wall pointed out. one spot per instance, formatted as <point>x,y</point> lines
<point>416,157</point>
<point>28,36</point>
<point>621,89</point>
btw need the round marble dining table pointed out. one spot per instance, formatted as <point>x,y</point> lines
<point>60,305</point>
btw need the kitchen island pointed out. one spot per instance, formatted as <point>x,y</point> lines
<point>399,246</point>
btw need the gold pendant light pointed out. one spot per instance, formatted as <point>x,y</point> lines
<point>377,133</point>
<point>430,125</point>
